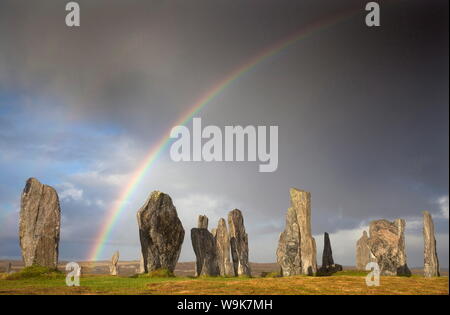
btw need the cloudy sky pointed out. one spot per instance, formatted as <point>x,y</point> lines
<point>363,116</point>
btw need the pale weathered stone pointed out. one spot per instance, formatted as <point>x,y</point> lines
<point>288,251</point>
<point>296,253</point>
<point>387,244</point>
<point>160,231</point>
<point>239,243</point>
<point>223,249</point>
<point>39,224</point>
<point>141,265</point>
<point>431,261</point>
<point>114,268</point>
<point>202,222</point>
<point>205,251</point>
<point>363,254</point>
<point>328,265</point>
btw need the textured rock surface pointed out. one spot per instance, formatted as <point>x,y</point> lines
<point>328,265</point>
<point>223,249</point>
<point>39,224</point>
<point>363,254</point>
<point>387,244</point>
<point>160,231</point>
<point>205,251</point>
<point>202,222</point>
<point>431,262</point>
<point>114,268</point>
<point>238,243</point>
<point>288,252</point>
<point>141,265</point>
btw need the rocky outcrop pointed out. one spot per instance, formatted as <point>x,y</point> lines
<point>328,265</point>
<point>431,262</point>
<point>39,224</point>
<point>204,245</point>
<point>363,254</point>
<point>202,222</point>
<point>238,243</point>
<point>288,251</point>
<point>160,231</point>
<point>223,249</point>
<point>114,268</point>
<point>387,245</point>
<point>296,253</point>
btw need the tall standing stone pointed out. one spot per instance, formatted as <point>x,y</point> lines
<point>387,244</point>
<point>291,247</point>
<point>328,265</point>
<point>202,222</point>
<point>363,254</point>
<point>204,245</point>
<point>431,261</point>
<point>160,231</point>
<point>39,224</point>
<point>223,249</point>
<point>239,243</point>
<point>288,251</point>
<point>114,268</point>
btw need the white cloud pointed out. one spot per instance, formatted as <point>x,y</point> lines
<point>443,206</point>
<point>69,191</point>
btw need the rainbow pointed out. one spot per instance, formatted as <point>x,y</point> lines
<point>149,161</point>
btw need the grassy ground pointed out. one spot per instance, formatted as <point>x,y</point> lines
<point>346,282</point>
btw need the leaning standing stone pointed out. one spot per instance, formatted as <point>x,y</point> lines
<point>39,224</point>
<point>114,268</point>
<point>288,251</point>
<point>431,262</point>
<point>160,231</point>
<point>239,243</point>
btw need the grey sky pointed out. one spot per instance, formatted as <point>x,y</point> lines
<point>362,115</point>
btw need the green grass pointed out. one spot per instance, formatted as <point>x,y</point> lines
<point>35,271</point>
<point>345,282</point>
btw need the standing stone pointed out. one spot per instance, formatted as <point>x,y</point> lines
<point>205,250</point>
<point>141,265</point>
<point>328,265</point>
<point>114,268</point>
<point>288,251</point>
<point>39,224</point>
<point>223,249</point>
<point>431,261</point>
<point>9,268</point>
<point>363,254</point>
<point>297,254</point>
<point>238,243</point>
<point>387,244</point>
<point>202,222</point>
<point>160,231</point>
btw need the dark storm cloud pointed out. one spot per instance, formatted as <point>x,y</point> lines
<point>362,113</point>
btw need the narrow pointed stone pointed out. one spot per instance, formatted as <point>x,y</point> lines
<point>114,268</point>
<point>222,238</point>
<point>202,222</point>
<point>431,261</point>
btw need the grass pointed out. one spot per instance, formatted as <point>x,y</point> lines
<point>345,282</point>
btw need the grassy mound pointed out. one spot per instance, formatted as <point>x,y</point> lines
<point>35,271</point>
